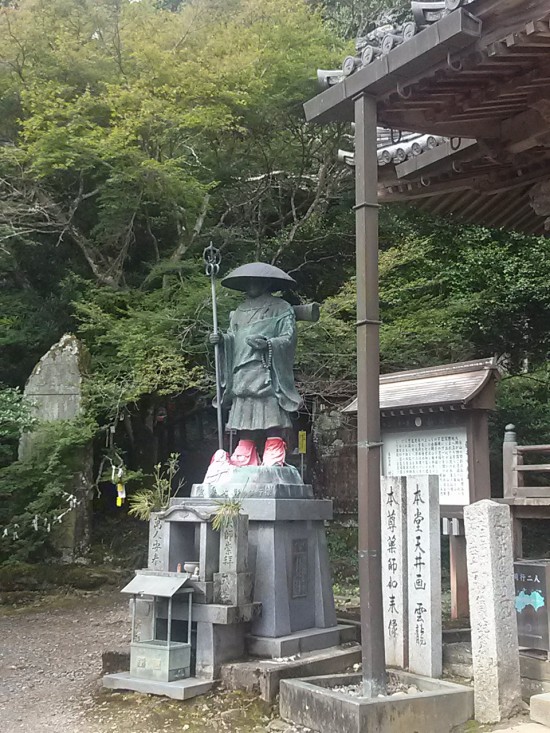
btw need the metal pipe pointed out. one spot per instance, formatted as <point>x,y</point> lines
<point>169,625</point>
<point>133,633</point>
<point>212,259</point>
<point>189,619</point>
<point>368,399</point>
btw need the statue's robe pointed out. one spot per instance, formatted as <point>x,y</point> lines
<point>259,384</point>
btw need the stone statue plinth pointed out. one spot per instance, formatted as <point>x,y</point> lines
<point>260,482</point>
<point>288,557</point>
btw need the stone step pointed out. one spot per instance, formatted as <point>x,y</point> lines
<point>263,676</point>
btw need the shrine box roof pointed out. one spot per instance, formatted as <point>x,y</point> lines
<point>164,585</point>
<point>466,385</point>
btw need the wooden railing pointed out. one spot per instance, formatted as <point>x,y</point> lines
<point>516,473</point>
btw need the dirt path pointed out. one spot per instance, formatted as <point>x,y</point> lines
<point>50,661</point>
<point>50,677</point>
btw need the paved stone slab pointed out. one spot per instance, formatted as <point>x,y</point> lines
<point>178,690</point>
<point>300,641</point>
<point>540,709</point>
<point>524,728</point>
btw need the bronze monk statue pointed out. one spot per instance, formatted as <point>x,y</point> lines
<point>257,364</point>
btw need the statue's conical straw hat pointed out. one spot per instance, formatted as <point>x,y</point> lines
<point>238,279</point>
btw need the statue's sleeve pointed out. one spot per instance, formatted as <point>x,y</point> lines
<point>283,349</point>
<point>227,362</point>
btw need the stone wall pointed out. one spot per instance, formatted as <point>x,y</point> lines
<point>334,467</point>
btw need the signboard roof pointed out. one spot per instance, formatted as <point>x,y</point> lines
<point>443,385</point>
<point>155,585</point>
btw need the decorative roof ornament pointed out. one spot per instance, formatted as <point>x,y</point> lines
<point>387,35</point>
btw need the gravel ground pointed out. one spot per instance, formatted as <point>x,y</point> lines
<point>50,660</point>
<point>50,677</point>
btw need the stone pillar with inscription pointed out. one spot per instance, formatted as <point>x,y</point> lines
<point>394,570</point>
<point>233,583</point>
<point>424,575</point>
<point>156,557</point>
<point>495,651</point>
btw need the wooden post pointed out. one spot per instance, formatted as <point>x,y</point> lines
<point>460,607</point>
<point>368,399</point>
<point>517,535</point>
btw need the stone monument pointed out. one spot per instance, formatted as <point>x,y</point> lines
<point>395,570</point>
<point>424,587</point>
<point>54,391</point>
<point>495,651</point>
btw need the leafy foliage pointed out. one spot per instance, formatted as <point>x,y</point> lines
<point>156,498</point>
<point>35,494</point>
<point>134,133</point>
<point>15,419</point>
<point>225,513</point>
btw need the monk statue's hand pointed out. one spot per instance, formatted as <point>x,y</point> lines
<point>257,342</point>
<point>215,339</point>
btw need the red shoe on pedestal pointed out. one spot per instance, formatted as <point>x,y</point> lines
<point>245,454</point>
<point>274,452</point>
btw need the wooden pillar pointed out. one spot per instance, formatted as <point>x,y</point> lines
<point>459,577</point>
<point>517,535</point>
<point>368,400</point>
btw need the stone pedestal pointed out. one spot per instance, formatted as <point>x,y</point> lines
<point>287,557</point>
<point>495,650</point>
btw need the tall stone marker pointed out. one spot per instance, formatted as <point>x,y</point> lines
<point>54,391</point>
<point>394,570</point>
<point>424,576</point>
<point>495,653</point>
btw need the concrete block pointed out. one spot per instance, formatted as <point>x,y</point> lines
<point>234,589</point>
<point>297,643</point>
<point>213,613</point>
<point>534,668</point>
<point>540,709</point>
<point>533,687</point>
<point>457,660</point>
<point>495,650</point>
<point>439,707</point>
<point>264,676</point>
<point>217,645</point>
